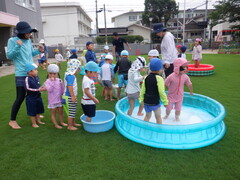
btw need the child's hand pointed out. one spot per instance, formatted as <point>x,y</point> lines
<point>42,89</point>
<point>19,42</point>
<point>74,99</point>
<point>52,78</point>
<point>96,100</point>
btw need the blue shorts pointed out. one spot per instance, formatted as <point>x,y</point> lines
<point>121,80</point>
<point>149,109</point>
<point>41,61</point>
<point>89,110</point>
<point>34,107</point>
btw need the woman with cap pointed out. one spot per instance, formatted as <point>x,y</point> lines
<point>20,50</point>
<point>168,47</point>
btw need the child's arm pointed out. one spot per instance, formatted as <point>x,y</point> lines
<point>161,91</point>
<point>116,67</point>
<point>86,91</point>
<point>70,89</point>
<point>61,57</point>
<point>28,86</point>
<point>189,85</point>
<point>142,92</point>
<point>137,78</point>
<point>190,89</point>
<point>167,81</point>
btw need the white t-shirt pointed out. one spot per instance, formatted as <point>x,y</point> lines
<point>88,83</point>
<point>106,72</point>
<point>59,57</point>
<point>168,49</point>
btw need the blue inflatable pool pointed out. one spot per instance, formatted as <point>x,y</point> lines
<point>186,136</point>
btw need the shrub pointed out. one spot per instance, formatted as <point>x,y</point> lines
<point>129,39</point>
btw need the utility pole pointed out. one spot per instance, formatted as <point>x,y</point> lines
<point>96,19</point>
<point>184,14</point>
<point>104,9</point>
<point>177,22</point>
<point>206,13</point>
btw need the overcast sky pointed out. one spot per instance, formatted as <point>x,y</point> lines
<point>121,6</point>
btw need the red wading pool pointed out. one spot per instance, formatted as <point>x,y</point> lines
<point>202,70</point>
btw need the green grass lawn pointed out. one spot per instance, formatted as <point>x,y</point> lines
<point>50,153</point>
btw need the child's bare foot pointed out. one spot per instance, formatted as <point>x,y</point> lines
<point>14,125</point>
<point>140,114</point>
<point>165,117</point>
<point>63,124</point>
<point>105,99</point>
<point>72,128</point>
<point>40,122</point>
<point>57,126</point>
<point>177,118</point>
<point>112,99</point>
<point>35,126</point>
<point>75,124</point>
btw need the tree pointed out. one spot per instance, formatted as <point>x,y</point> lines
<point>157,9</point>
<point>226,11</point>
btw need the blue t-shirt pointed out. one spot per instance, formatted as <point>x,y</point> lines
<point>71,81</point>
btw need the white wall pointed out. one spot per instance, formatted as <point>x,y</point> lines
<point>123,20</point>
<point>62,24</point>
<point>136,30</point>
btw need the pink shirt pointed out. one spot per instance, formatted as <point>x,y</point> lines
<point>175,84</point>
<point>55,90</point>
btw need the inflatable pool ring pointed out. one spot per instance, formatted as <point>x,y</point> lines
<point>187,136</point>
<point>202,70</point>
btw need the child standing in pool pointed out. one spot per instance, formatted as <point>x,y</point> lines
<point>153,90</point>
<point>175,83</point>
<point>197,52</point>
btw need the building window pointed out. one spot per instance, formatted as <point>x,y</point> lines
<point>132,18</point>
<point>175,24</point>
<point>30,4</point>
<point>140,17</point>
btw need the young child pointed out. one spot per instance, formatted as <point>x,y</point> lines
<point>197,52</point>
<point>107,76</point>
<point>89,100</point>
<point>91,56</point>
<point>59,58</point>
<point>178,48</point>
<point>154,54</point>
<point>152,91</point>
<point>41,60</point>
<point>182,51</point>
<point>71,90</point>
<point>133,86</point>
<point>74,54</point>
<point>33,98</point>
<point>122,66</point>
<point>175,83</point>
<point>55,89</point>
<point>67,54</point>
<point>102,57</point>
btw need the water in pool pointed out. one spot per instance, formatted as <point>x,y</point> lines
<point>189,115</point>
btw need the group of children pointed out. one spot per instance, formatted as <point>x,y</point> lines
<point>129,75</point>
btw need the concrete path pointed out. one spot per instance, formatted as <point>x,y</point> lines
<point>7,70</point>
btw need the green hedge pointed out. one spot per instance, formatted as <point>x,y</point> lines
<point>129,39</point>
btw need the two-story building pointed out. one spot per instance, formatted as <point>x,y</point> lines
<point>11,12</point>
<point>65,23</point>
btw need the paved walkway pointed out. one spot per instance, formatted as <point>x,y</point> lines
<point>7,70</point>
